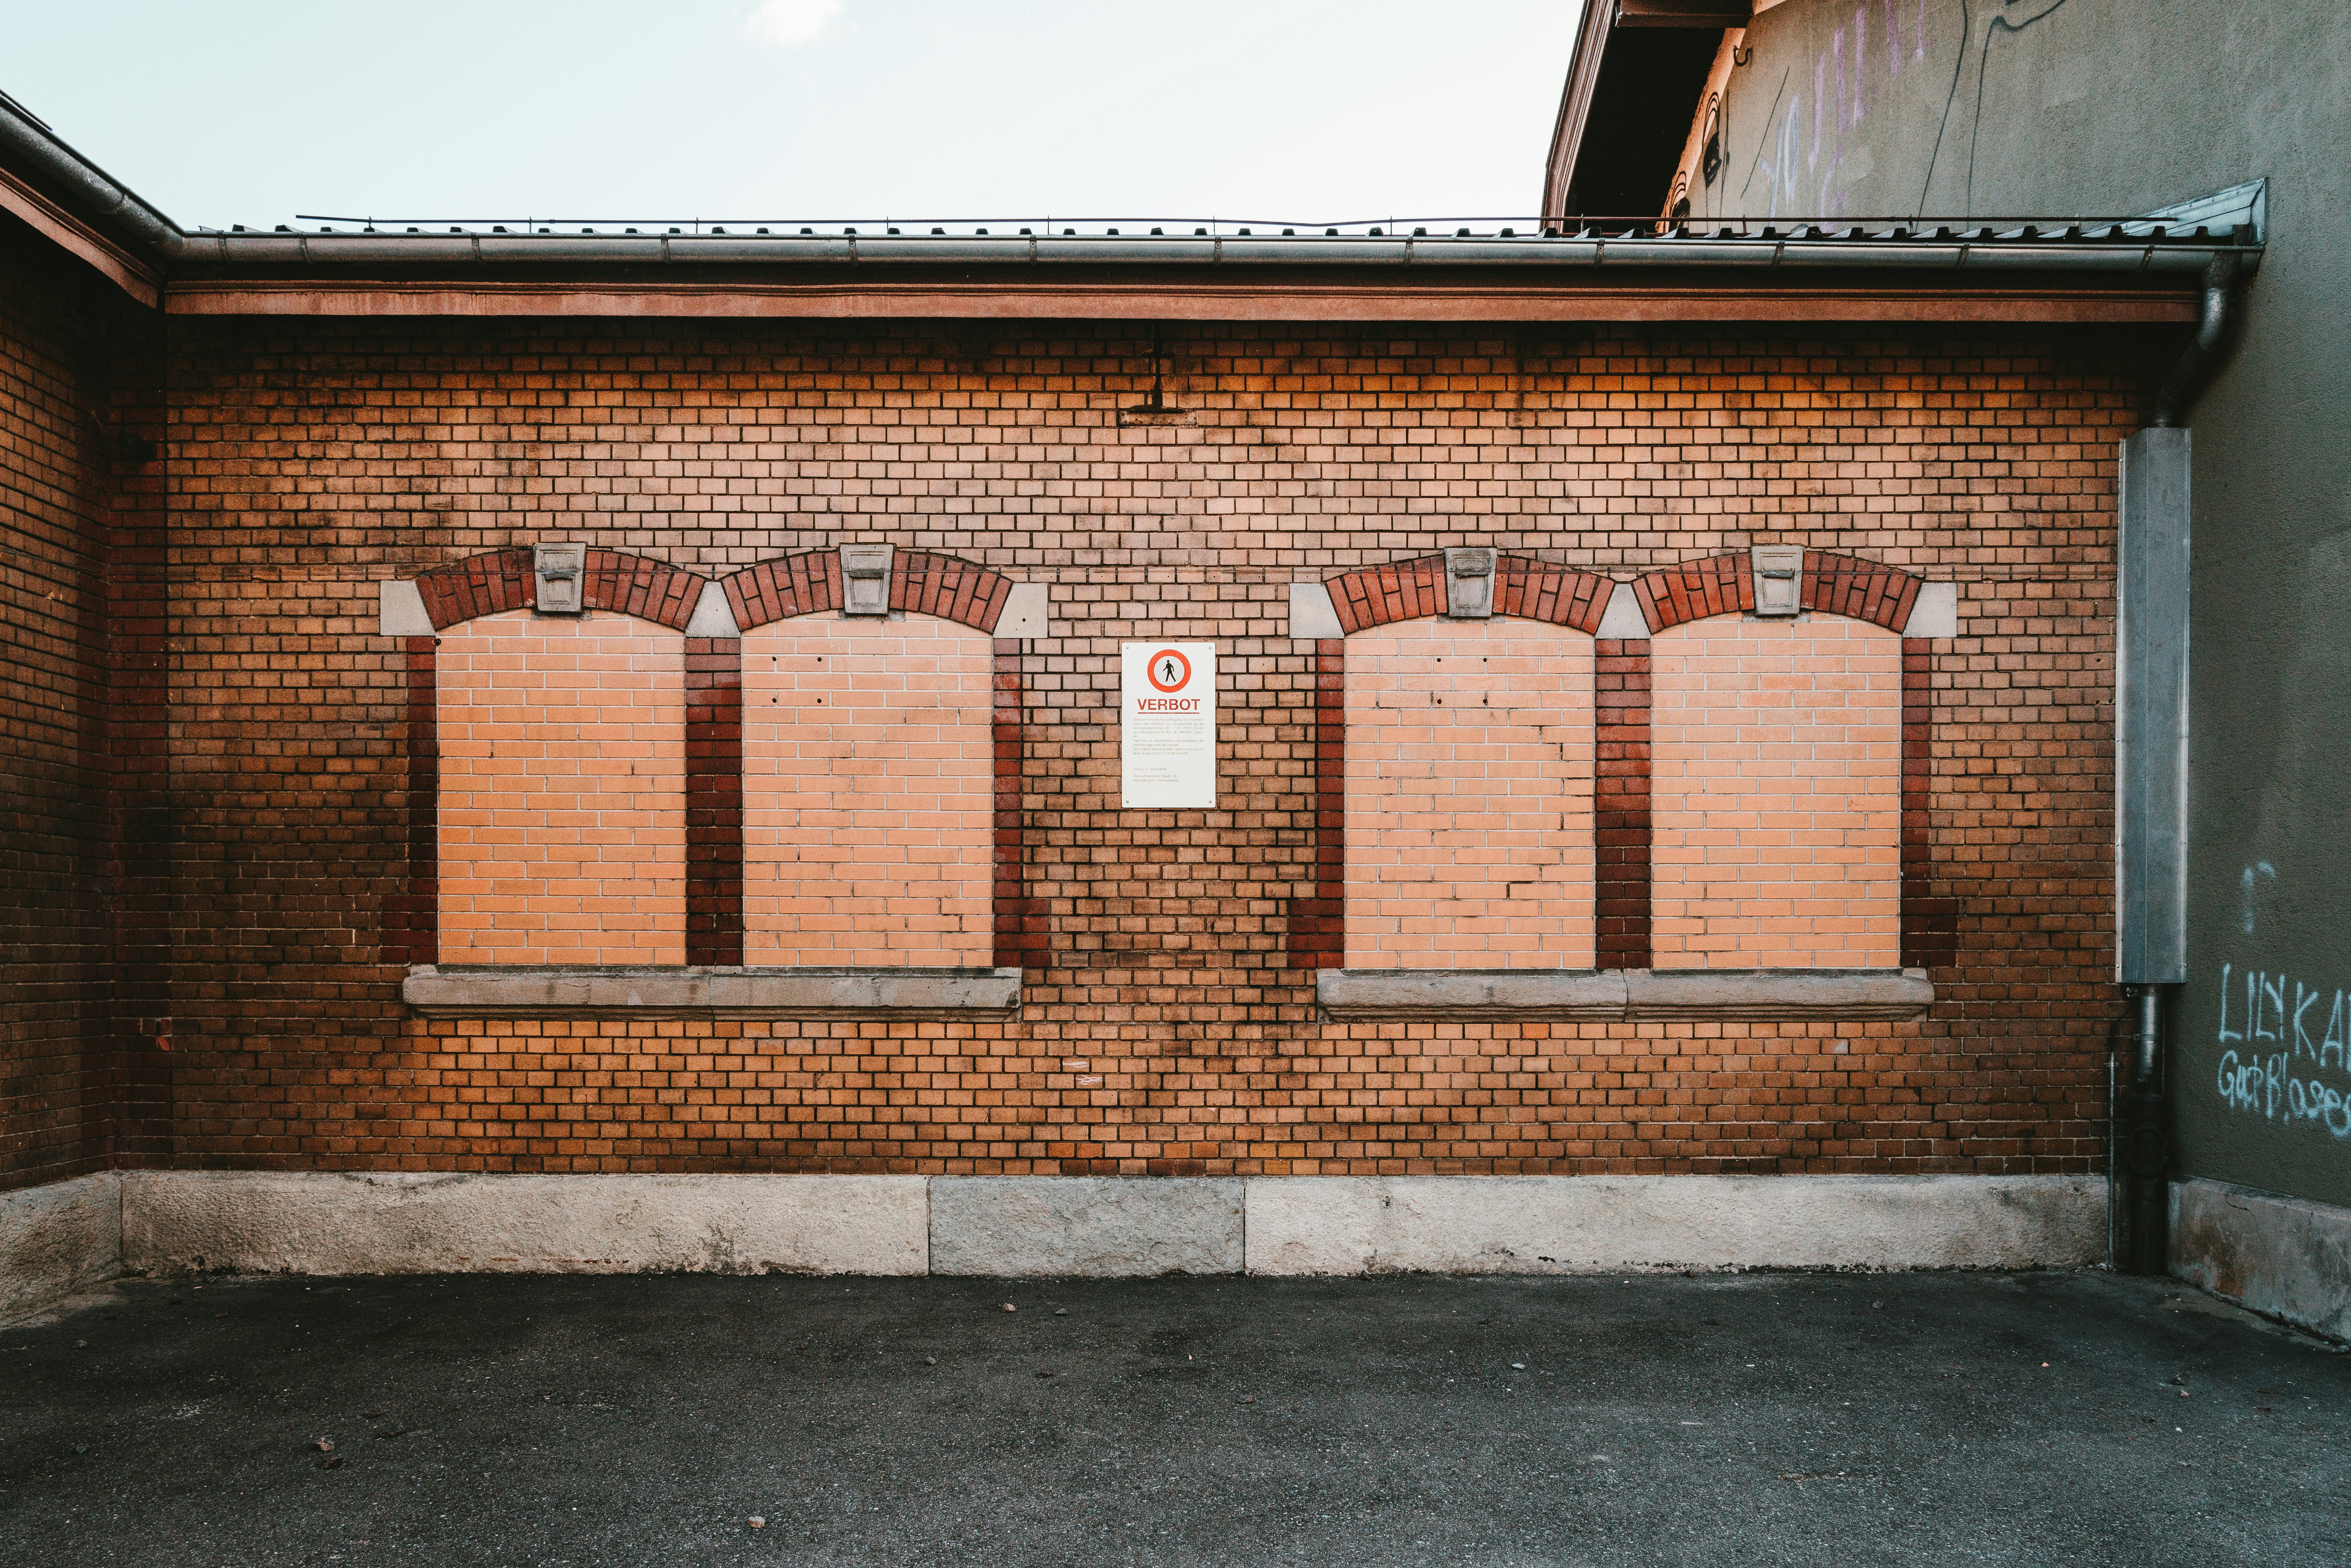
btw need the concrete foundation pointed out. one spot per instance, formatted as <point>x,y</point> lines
<point>1033,1226</point>
<point>2286,1258</point>
<point>1565,1225</point>
<point>58,1238</point>
<point>267,1222</point>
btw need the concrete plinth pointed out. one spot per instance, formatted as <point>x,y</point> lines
<point>1565,1225</point>
<point>2285,1257</point>
<point>266,1222</point>
<point>1033,1226</point>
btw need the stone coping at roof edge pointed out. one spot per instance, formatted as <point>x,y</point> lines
<point>1610,995</point>
<point>708,991</point>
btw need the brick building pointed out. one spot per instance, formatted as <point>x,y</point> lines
<point>644,707</point>
<point>2237,600</point>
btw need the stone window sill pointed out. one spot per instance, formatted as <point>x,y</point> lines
<point>586,990</point>
<point>1352,994</point>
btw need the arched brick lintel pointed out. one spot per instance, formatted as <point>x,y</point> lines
<point>1523,587</point>
<point>502,579</point>
<point>1725,585</point>
<point>921,583</point>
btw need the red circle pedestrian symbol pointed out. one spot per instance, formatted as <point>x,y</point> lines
<point>1169,670</point>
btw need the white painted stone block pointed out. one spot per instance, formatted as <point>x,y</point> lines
<point>1935,612</point>
<point>1312,615</point>
<point>713,616</point>
<point>1027,611</point>
<point>400,611</point>
<point>2286,1257</point>
<point>58,1238</point>
<point>1623,618</point>
<point>1026,1227</point>
<point>335,1223</point>
<point>1565,1225</point>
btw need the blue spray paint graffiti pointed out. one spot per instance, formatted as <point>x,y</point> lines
<point>2270,1082</point>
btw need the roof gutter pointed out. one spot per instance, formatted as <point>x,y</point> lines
<point>2124,253</point>
<point>84,188</point>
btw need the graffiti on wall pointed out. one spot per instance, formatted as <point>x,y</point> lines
<point>2287,1055</point>
<point>1814,149</point>
<point>1809,134</point>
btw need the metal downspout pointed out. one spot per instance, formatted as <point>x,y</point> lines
<point>2152,712</point>
<point>2195,364</point>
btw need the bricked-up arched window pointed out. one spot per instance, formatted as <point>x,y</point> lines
<point>1776,794</point>
<point>562,790</point>
<point>1469,795</point>
<point>1466,773</point>
<point>868,780</point>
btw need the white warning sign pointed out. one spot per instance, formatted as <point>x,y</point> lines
<point>1167,724</point>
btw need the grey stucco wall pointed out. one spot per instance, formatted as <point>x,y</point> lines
<point>2056,108</point>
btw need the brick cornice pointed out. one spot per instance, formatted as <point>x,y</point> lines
<point>499,581</point>
<point>1864,590</point>
<point>1523,587</point>
<point>1693,590</point>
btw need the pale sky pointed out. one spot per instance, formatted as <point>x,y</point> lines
<point>253,111</point>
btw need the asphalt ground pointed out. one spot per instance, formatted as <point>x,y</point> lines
<point>1756,1418</point>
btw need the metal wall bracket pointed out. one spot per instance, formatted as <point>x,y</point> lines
<point>562,571</point>
<point>865,578</point>
<point>1470,583</point>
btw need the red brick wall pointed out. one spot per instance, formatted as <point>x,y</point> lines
<point>55,433</point>
<point>311,458</point>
